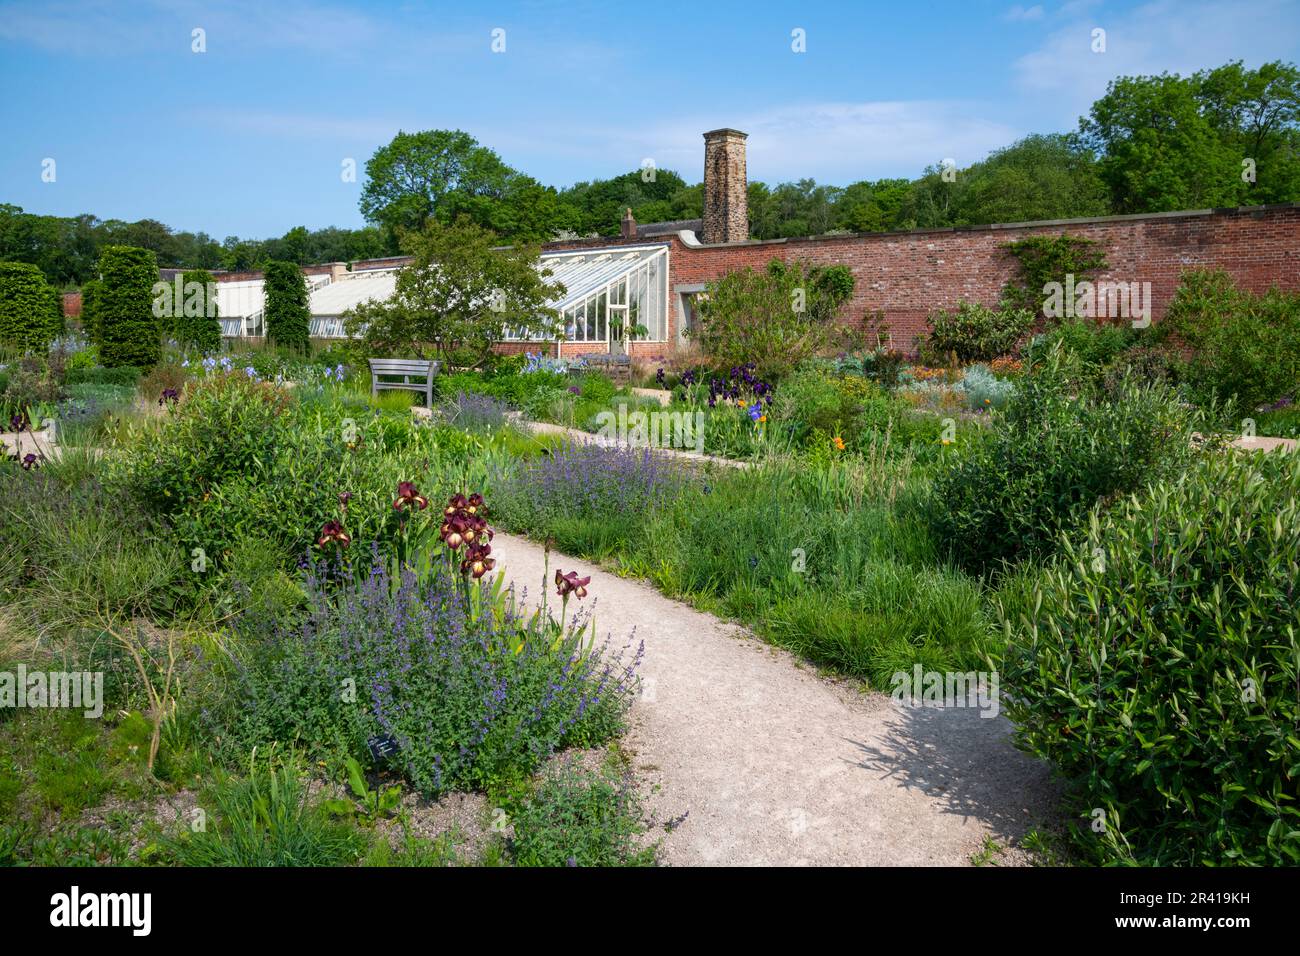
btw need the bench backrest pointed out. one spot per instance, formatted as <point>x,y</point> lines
<point>420,367</point>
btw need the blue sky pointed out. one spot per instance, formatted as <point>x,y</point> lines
<point>249,137</point>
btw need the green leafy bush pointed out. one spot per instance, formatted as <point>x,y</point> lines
<point>1092,347</point>
<point>1246,347</point>
<point>1050,458</point>
<point>776,318</point>
<point>581,818</point>
<point>222,428</point>
<point>29,317</point>
<point>975,332</point>
<point>1156,665</point>
<point>288,313</point>
<point>128,329</point>
<point>30,384</point>
<point>197,323</point>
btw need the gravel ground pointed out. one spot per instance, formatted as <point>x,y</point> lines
<point>773,764</point>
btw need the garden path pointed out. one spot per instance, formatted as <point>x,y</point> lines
<point>581,437</point>
<point>773,764</point>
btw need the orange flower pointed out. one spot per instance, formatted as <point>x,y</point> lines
<point>838,442</point>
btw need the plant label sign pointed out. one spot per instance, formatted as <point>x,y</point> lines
<point>381,748</point>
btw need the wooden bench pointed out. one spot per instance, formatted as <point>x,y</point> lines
<point>416,374</point>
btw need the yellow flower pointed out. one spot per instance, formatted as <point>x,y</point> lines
<point>740,403</point>
<point>762,418</point>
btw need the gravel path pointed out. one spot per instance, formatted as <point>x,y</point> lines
<point>776,765</point>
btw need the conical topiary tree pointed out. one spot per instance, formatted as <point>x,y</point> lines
<point>29,315</point>
<point>288,312</point>
<point>128,330</point>
<point>197,322</point>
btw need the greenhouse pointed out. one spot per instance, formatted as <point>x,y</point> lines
<point>603,290</point>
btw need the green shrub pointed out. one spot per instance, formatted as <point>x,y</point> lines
<point>1144,363</point>
<point>221,429</point>
<point>30,383</point>
<point>750,316</point>
<point>197,323</point>
<point>1246,348</point>
<point>1091,346</point>
<point>975,332</point>
<point>1281,422</point>
<point>288,312</point>
<point>128,329</point>
<point>1050,458</point>
<point>581,818</point>
<point>1156,665</point>
<point>29,317</point>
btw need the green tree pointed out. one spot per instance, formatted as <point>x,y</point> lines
<point>458,297</point>
<point>90,290</point>
<point>1037,178</point>
<point>871,206</point>
<point>29,318</point>
<point>197,322</point>
<point>1159,150</point>
<point>775,318</point>
<point>1256,112</point>
<point>288,305</point>
<point>128,329</point>
<point>408,180</point>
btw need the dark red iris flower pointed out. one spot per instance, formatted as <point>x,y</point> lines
<point>331,532</point>
<point>566,584</point>
<point>408,497</point>
<point>477,563</point>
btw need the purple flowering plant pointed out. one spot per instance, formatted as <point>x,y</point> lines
<point>471,699</point>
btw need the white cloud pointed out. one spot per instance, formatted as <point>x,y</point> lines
<point>830,142</point>
<point>1177,37</point>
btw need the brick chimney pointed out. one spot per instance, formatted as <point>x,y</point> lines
<point>726,187</point>
<point>627,228</point>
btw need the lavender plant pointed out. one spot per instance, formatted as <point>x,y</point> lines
<point>465,698</point>
<point>590,489</point>
<point>474,411</point>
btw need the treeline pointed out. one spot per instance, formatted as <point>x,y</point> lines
<point>1223,137</point>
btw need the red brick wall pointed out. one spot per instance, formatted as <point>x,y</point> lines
<point>908,275</point>
<point>72,304</point>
